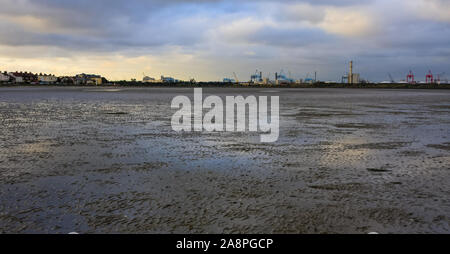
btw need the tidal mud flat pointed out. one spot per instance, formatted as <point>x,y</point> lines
<point>105,160</point>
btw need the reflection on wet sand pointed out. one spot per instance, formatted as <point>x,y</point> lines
<point>107,161</point>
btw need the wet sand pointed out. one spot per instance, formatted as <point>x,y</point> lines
<point>103,160</point>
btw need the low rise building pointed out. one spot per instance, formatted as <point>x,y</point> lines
<point>23,77</point>
<point>16,77</point>
<point>95,81</point>
<point>47,79</point>
<point>91,79</point>
<point>29,77</point>
<point>4,77</point>
<point>67,80</point>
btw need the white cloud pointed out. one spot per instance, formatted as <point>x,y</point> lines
<point>348,22</point>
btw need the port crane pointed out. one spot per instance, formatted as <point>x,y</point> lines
<point>391,78</point>
<point>235,77</point>
<point>257,77</point>
<point>410,77</point>
<point>429,78</point>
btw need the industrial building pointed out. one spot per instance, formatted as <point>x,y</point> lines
<point>167,80</point>
<point>228,80</point>
<point>256,78</point>
<point>281,79</point>
<point>148,79</point>
<point>353,78</point>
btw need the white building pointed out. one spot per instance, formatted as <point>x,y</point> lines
<point>4,77</point>
<point>16,78</point>
<point>47,78</point>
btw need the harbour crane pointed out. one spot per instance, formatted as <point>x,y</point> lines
<point>307,76</point>
<point>429,78</point>
<point>410,77</point>
<point>391,78</point>
<point>257,77</point>
<point>235,77</point>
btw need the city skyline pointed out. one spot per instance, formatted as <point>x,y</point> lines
<point>209,40</point>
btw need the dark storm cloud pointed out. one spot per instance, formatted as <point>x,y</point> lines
<point>103,24</point>
<point>89,14</point>
<point>97,24</point>
<point>318,30</point>
<point>288,37</point>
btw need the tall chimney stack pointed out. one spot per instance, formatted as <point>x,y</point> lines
<point>350,75</point>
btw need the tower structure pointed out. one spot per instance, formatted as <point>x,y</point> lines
<point>429,78</point>
<point>350,74</point>
<point>410,78</point>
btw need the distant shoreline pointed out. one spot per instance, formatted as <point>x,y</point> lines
<point>222,85</point>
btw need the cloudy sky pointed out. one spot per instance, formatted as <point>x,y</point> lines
<point>211,39</point>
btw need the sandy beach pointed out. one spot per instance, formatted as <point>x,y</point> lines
<point>105,160</point>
